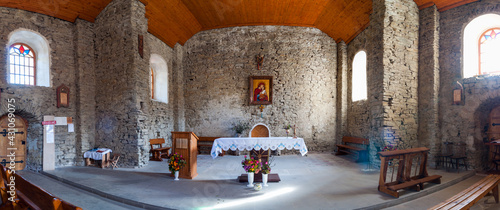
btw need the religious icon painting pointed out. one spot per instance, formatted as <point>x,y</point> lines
<point>261,90</point>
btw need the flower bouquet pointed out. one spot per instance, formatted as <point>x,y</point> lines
<point>266,168</point>
<point>175,163</point>
<point>250,165</point>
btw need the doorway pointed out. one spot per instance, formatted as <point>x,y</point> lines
<point>13,132</point>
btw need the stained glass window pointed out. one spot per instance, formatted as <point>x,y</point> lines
<point>489,54</point>
<point>21,65</point>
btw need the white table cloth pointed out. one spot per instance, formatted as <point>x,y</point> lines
<point>258,143</point>
<point>97,154</point>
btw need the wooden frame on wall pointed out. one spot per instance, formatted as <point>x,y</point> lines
<point>62,96</point>
<point>261,90</point>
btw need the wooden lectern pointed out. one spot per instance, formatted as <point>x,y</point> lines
<point>186,144</point>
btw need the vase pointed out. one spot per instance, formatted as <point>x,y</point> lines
<point>257,187</point>
<point>250,179</point>
<point>264,180</point>
<point>176,175</point>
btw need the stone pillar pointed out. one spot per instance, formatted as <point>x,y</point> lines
<point>178,86</point>
<point>392,72</point>
<point>85,88</point>
<point>123,81</point>
<point>342,80</point>
<point>428,78</point>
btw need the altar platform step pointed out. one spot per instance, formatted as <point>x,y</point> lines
<point>258,178</point>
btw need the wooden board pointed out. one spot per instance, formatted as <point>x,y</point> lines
<point>175,21</point>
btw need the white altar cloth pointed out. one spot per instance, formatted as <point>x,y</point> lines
<point>258,143</point>
<point>96,154</point>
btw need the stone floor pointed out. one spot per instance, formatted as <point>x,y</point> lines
<point>316,181</point>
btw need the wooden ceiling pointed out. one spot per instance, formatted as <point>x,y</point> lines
<point>175,21</point>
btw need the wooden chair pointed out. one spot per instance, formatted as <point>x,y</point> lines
<point>459,154</point>
<point>157,150</point>
<point>445,156</point>
<point>260,130</point>
<point>114,160</point>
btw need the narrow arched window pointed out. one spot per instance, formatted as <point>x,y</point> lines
<point>152,86</point>
<point>22,65</point>
<point>489,56</point>
<point>359,87</point>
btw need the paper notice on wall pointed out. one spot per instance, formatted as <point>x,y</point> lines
<point>71,128</point>
<point>49,131</point>
<point>48,118</point>
<point>61,120</point>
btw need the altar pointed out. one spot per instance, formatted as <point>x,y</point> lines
<point>258,143</point>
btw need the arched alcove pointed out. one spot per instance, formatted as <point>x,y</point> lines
<point>41,47</point>
<point>160,69</point>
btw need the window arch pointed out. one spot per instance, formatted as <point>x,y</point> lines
<point>40,47</point>
<point>159,78</point>
<point>489,44</point>
<point>22,65</point>
<point>359,86</point>
<point>473,45</point>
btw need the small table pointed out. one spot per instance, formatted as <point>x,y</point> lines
<point>258,143</point>
<point>100,154</point>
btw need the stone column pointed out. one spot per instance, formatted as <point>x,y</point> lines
<point>342,80</point>
<point>178,86</point>
<point>85,88</point>
<point>392,72</point>
<point>122,79</point>
<point>428,78</point>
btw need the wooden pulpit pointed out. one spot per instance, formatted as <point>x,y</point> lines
<point>186,144</point>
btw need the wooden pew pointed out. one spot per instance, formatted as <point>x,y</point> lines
<point>347,147</point>
<point>410,166</point>
<point>471,195</point>
<point>30,196</point>
<point>205,144</point>
<point>159,151</point>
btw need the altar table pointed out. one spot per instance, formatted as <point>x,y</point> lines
<point>100,154</point>
<point>258,143</point>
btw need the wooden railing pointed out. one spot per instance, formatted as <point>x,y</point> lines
<point>404,169</point>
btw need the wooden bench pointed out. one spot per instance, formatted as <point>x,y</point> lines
<point>410,166</point>
<point>205,144</point>
<point>30,196</point>
<point>159,151</point>
<point>347,147</point>
<point>471,195</point>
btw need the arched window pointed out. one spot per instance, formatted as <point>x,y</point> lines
<point>159,78</point>
<point>36,44</point>
<point>359,87</point>
<point>489,56</point>
<point>22,65</point>
<point>480,47</point>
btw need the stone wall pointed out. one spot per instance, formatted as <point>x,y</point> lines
<point>358,114</point>
<point>121,74</point>
<point>33,102</point>
<point>465,123</point>
<point>428,81</point>
<point>302,61</point>
<point>85,93</point>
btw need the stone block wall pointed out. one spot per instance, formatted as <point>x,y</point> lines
<point>428,81</point>
<point>465,123</point>
<point>85,93</point>
<point>118,107</point>
<point>33,102</point>
<point>217,65</point>
<point>358,114</point>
